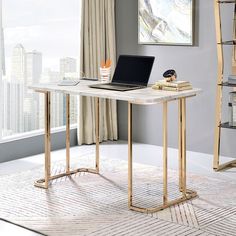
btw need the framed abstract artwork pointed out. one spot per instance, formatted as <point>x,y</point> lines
<point>166,22</point>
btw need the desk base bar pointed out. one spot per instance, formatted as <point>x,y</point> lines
<point>189,195</point>
<point>225,166</point>
<point>41,182</point>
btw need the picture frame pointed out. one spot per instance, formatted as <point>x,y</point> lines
<point>166,22</point>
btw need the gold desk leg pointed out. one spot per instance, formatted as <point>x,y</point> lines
<point>180,145</point>
<point>130,153</point>
<point>67,133</point>
<point>187,194</point>
<point>43,183</point>
<point>47,138</point>
<point>97,135</point>
<point>183,134</point>
<point>165,154</point>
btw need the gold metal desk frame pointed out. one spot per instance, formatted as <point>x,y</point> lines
<point>44,183</point>
<point>186,193</point>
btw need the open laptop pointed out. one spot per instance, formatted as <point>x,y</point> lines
<point>132,72</point>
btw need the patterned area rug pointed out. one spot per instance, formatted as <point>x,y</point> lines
<point>88,204</point>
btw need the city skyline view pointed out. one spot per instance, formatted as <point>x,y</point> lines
<point>23,110</point>
<point>42,49</point>
<point>65,66</point>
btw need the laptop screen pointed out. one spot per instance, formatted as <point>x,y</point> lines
<point>133,70</point>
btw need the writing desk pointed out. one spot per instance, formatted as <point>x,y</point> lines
<point>146,96</point>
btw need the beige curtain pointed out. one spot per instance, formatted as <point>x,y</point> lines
<point>98,43</point>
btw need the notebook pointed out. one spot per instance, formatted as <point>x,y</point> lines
<point>132,72</point>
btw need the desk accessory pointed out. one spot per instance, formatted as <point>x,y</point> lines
<point>170,75</point>
<point>68,82</point>
<point>105,71</point>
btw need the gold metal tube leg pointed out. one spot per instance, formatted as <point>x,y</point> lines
<point>47,139</point>
<point>97,135</point>
<point>180,145</point>
<point>216,158</point>
<point>130,167</point>
<point>67,133</point>
<point>165,155</point>
<point>220,76</point>
<point>184,145</point>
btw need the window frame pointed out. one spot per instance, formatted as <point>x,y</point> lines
<point>1,71</point>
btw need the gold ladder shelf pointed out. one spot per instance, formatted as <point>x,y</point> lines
<point>220,83</point>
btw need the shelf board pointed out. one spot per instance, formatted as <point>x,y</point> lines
<point>226,1</point>
<point>227,126</point>
<point>229,42</point>
<point>227,84</point>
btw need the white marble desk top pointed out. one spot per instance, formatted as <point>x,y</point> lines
<point>139,96</point>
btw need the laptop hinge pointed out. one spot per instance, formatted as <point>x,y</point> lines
<point>123,84</point>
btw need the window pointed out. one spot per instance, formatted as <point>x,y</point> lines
<point>40,44</point>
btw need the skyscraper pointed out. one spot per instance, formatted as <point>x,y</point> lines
<point>33,67</point>
<point>18,68</point>
<point>5,107</point>
<point>68,68</point>
<point>67,65</point>
<point>18,76</point>
<point>24,105</point>
<point>17,107</point>
<point>31,100</point>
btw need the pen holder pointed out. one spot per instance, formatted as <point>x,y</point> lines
<point>105,74</point>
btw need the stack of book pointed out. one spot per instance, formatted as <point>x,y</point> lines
<point>172,86</point>
<point>232,79</point>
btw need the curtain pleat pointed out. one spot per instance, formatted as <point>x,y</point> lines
<point>98,43</point>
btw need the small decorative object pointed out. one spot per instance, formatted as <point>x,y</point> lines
<point>232,109</point>
<point>170,75</point>
<point>105,71</point>
<point>166,22</point>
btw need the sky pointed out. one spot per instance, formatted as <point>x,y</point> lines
<point>50,27</point>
